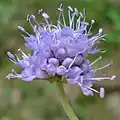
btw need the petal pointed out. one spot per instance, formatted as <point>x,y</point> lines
<point>67,62</point>
<point>32,39</point>
<point>61,70</point>
<point>28,79</point>
<point>66,31</point>
<point>51,69</point>
<point>86,91</point>
<point>73,80</point>
<point>79,60</point>
<point>41,74</point>
<point>60,54</point>
<point>54,61</point>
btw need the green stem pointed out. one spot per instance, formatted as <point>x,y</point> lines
<point>66,106</point>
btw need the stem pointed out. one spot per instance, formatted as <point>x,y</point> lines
<point>66,106</point>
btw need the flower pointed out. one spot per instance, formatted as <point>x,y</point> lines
<point>61,50</point>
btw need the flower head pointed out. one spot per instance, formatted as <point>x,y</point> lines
<point>61,50</point>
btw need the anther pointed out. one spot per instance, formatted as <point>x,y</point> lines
<point>102,92</point>
<point>45,15</point>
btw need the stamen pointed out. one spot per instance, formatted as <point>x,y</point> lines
<point>103,51</point>
<point>113,77</point>
<point>12,75</point>
<point>103,78</point>
<point>78,23</point>
<point>92,22</point>
<point>69,14</point>
<point>46,17</point>
<point>70,8</point>
<point>73,61</point>
<point>59,17</point>
<point>61,13</point>
<point>100,31</point>
<point>35,29</point>
<point>96,61</point>
<point>39,11</point>
<point>92,89</point>
<point>23,54</point>
<point>60,24</point>
<point>102,92</point>
<point>23,30</point>
<point>13,71</point>
<point>102,67</point>
<point>95,38</point>
<point>55,27</point>
<point>76,11</point>
<point>11,57</point>
<point>29,20</point>
<point>72,20</point>
<point>64,22</point>
<point>84,14</point>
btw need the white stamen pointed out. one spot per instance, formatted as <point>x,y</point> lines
<point>100,31</point>
<point>102,67</point>
<point>61,13</point>
<point>60,24</point>
<point>70,8</point>
<point>35,28</point>
<point>84,14</point>
<point>64,22</point>
<point>58,21</point>
<point>45,15</point>
<point>72,20</point>
<point>76,11</point>
<point>10,55</point>
<point>103,51</point>
<point>55,27</point>
<point>81,15</point>
<point>13,71</point>
<point>99,79</point>
<point>60,9</point>
<point>113,77</point>
<point>34,19</point>
<point>95,38</point>
<point>29,20</point>
<point>32,16</point>
<point>39,11</point>
<point>92,22</point>
<point>28,17</point>
<point>78,23</point>
<point>92,89</point>
<point>102,92</point>
<point>23,54</point>
<point>69,13</point>
<point>73,61</point>
<point>23,30</point>
<point>96,61</point>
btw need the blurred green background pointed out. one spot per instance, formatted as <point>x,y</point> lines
<point>39,100</point>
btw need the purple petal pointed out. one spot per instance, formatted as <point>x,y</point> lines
<point>66,31</point>
<point>61,70</point>
<point>41,74</point>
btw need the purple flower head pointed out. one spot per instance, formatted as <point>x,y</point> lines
<point>61,50</point>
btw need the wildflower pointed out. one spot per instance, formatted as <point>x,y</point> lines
<point>61,50</point>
